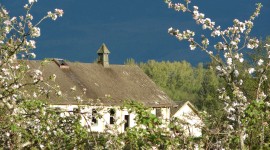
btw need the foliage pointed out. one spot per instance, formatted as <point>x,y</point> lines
<point>38,126</point>
<point>177,79</point>
<point>236,97</point>
<point>26,122</point>
<point>130,61</point>
<point>152,132</point>
<point>183,82</point>
<point>208,98</point>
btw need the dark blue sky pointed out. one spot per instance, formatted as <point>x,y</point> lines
<point>130,28</point>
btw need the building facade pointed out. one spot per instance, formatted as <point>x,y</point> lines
<point>100,90</point>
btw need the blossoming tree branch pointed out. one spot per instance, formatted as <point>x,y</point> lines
<point>26,121</point>
<point>233,42</point>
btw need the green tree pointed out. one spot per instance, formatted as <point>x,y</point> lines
<point>208,97</point>
<point>130,61</point>
<point>179,80</point>
<point>232,41</point>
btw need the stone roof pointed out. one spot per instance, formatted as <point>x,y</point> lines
<point>108,86</point>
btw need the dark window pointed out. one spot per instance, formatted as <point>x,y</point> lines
<point>112,115</point>
<point>158,112</point>
<point>127,122</point>
<point>94,115</point>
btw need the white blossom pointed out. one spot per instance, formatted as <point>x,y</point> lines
<point>26,6</point>
<point>242,27</point>
<point>59,12</point>
<point>253,43</point>
<point>34,94</point>
<point>233,43</point>
<point>29,16</point>
<point>13,19</point>
<point>218,68</point>
<point>32,55</point>
<point>251,70</point>
<point>208,24</point>
<point>54,16</point>
<point>41,146</point>
<point>35,32</point>
<point>73,88</point>
<point>195,7</point>
<point>205,41</point>
<point>260,62</point>
<point>179,6</point>
<point>7,22</point>
<point>220,46</point>
<point>241,82</point>
<point>59,93</point>
<point>7,29</point>
<point>78,98</point>
<point>239,57</point>
<point>241,60</point>
<point>236,73</point>
<point>210,52</point>
<point>192,46</point>
<point>31,43</point>
<point>4,11</point>
<point>49,13</point>
<point>229,61</point>
<point>32,1</point>
<point>215,33</point>
<point>7,134</point>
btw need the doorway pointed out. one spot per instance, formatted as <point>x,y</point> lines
<point>126,125</point>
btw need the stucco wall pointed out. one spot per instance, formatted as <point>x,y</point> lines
<point>103,117</point>
<point>194,123</point>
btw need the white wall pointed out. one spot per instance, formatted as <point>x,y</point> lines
<point>194,123</point>
<point>165,112</point>
<point>103,117</point>
<point>185,113</point>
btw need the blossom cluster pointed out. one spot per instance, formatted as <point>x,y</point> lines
<point>18,81</point>
<point>234,40</point>
<point>57,13</point>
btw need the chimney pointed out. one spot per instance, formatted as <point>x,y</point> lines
<point>103,56</point>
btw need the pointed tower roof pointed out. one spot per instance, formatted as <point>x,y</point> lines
<point>103,49</point>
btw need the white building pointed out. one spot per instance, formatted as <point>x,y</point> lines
<point>100,89</point>
<point>188,114</point>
